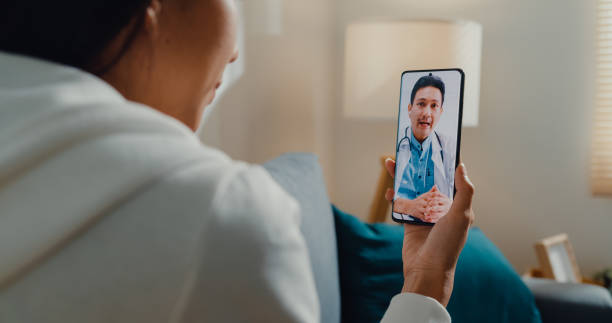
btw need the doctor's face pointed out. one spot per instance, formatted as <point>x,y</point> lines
<point>425,112</point>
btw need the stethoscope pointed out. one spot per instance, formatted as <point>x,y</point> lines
<point>408,139</point>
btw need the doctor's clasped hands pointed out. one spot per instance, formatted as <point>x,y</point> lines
<point>428,207</point>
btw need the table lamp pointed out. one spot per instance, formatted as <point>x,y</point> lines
<point>377,52</point>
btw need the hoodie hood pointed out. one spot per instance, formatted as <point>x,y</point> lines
<point>71,150</point>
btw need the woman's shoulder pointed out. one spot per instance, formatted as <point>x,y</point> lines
<point>231,195</point>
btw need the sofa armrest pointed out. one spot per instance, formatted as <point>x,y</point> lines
<point>570,302</point>
<point>301,176</point>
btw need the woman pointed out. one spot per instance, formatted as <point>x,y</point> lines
<point>111,209</point>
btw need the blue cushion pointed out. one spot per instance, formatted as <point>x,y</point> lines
<point>486,288</point>
<point>300,175</point>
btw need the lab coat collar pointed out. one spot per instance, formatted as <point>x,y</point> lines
<point>436,149</point>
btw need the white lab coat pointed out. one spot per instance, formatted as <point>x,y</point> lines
<point>443,157</point>
<point>113,212</point>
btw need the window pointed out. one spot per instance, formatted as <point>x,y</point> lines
<point>601,159</point>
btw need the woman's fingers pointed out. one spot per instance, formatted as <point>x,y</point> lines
<point>390,166</point>
<point>389,194</point>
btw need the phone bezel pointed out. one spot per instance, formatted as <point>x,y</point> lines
<point>460,122</point>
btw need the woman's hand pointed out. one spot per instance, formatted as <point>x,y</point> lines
<point>430,253</point>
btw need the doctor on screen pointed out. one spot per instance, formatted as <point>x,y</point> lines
<point>425,190</point>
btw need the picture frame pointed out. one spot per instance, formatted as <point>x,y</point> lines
<point>557,259</point>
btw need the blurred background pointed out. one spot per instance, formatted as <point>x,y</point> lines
<point>529,154</point>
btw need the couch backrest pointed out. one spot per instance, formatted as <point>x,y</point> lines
<point>300,175</point>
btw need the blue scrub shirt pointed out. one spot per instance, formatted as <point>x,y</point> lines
<point>418,177</point>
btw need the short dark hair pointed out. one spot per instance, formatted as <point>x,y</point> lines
<point>425,81</point>
<point>70,32</point>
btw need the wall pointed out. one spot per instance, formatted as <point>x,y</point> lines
<point>529,155</point>
<point>284,100</point>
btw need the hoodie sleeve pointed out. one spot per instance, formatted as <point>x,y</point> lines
<point>255,263</point>
<point>415,308</point>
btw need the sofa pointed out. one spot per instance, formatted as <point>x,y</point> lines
<point>300,175</point>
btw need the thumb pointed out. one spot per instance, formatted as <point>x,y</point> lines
<point>434,189</point>
<point>465,190</point>
<point>389,194</point>
<point>390,166</point>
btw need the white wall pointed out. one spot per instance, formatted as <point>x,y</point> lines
<point>284,101</point>
<point>529,155</point>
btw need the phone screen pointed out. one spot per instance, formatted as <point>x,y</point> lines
<point>427,147</point>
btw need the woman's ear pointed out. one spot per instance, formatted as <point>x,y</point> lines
<point>152,17</point>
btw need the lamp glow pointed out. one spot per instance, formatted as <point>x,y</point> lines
<point>376,53</point>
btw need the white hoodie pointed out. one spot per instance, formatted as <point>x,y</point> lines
<point>113,212</point>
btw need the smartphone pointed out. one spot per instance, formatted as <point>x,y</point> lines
<point>427,146</point>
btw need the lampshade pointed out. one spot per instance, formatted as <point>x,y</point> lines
<point>376,54</point>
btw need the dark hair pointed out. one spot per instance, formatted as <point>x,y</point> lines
<point>70,32</point>
<point>425,81</point>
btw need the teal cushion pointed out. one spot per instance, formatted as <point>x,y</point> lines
<point>486,288</point>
